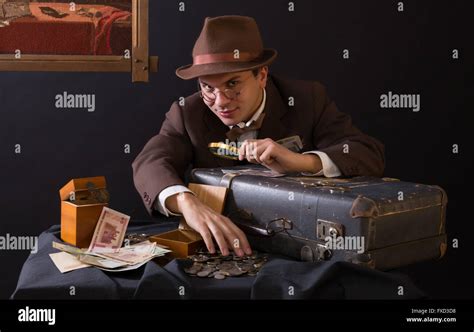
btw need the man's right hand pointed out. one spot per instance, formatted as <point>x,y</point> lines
<point>210,224</point>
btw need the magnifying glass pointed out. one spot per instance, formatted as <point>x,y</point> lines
<point>223,150</point>
<point>227,151</point>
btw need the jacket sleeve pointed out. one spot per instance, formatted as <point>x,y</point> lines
<point>354,152</point>
<point>164,159</point>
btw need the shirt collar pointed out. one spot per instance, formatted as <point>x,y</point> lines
<point>256,114</point>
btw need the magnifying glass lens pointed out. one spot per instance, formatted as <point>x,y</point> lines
<point>223,150</point>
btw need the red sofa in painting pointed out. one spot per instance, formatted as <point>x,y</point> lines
<point>109,34</point>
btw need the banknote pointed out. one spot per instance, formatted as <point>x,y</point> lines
<point>158,252</point>
<point>136,253</point>
<point>132,257</point>
<point>292,143</point>
<point>146,247</point>
<point>109,232</point>
<point>131,260</point>
<point>66,262</point>
<point>124,268</point>
<point>72,258</point>
<point>67,248</point>
<point>128,257</point>
<point>101,262</point>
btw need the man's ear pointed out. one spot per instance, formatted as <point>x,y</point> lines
<point>263,76</point>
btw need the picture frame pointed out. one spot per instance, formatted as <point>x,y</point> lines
<point>136,61</point>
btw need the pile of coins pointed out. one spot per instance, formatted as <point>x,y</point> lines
<point>134,238</point>
<point>206,265</point>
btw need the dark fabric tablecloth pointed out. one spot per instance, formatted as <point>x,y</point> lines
<point>280,278</point>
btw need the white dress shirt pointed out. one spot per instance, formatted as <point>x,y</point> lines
<point>252,134</point>
<point>329,168</point>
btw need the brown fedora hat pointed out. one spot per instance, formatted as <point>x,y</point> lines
<point>227,44</point>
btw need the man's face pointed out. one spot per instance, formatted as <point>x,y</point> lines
<point>247,89</point>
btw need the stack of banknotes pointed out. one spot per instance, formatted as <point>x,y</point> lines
<point>107,250</point>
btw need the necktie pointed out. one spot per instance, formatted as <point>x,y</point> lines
<point>236,131</point>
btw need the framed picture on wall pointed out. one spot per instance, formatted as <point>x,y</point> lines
<point>87,35</point>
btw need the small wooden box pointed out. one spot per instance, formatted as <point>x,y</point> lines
<point>182,242</point>
<point>185,241</point>
<point>82,201</point>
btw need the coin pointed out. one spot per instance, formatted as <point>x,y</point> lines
<point>224,266</point>
<point>219,276</point>
<point>258,265</point>
<point>200,258</point>
<point>235,272</point>
<point>246,267</point>
<point>203,273</point>
<point>217,266</point>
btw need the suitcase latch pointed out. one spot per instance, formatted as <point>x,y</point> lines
<point>325,228</point>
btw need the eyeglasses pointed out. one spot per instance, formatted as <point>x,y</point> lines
<point>210,96</point>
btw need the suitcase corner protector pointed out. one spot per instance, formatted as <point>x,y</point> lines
<point>364,207</point>
<point>442,249</point>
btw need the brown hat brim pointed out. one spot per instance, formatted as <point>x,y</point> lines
<point>192,71</point>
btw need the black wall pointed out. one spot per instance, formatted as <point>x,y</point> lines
<point>403,52</point>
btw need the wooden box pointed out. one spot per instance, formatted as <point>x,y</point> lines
<point>182,242</point>
<point>185,241</point>
<point>82,201</point>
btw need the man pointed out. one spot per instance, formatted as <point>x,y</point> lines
<point>237,92</point>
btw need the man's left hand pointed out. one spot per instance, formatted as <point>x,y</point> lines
<point>278,158</point>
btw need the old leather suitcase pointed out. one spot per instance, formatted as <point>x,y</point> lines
<point>383,223</point>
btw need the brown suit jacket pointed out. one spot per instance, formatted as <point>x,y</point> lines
<point>187,130</point>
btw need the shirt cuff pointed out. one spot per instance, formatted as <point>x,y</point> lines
<point>330,169</point>
<point>164,194</point>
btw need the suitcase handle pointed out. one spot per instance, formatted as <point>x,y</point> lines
<point>271,228</point>
<point>252,230</point>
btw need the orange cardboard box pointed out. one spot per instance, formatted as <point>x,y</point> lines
<point>82,201</point>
